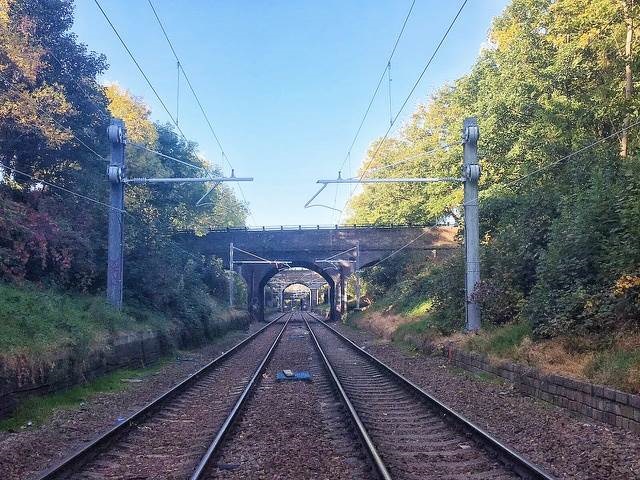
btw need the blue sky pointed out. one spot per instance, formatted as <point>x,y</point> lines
<point>285,83</point>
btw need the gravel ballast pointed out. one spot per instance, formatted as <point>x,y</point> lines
<point>33,449</point>
<point>567,445</point>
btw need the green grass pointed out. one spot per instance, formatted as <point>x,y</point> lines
<point>618,367</point>
<point>420,308</point>
<point>36,321</point>
<point>37,409</point>
<point>501,341</point>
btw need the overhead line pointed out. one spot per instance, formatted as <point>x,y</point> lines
<point>142,72</point>
<point>58,187</point>
<point>408,97</point>
<point>573,154</point>
<point>163,155</point>
<point>375,92</point>
<point>197,98</point>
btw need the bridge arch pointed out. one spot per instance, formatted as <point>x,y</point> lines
<point>307,290</point>
<point>273,271</point>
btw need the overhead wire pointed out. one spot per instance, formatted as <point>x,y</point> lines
<point>347,157</point>
<point>223,154</point>
<point>413,157</point>
<point>58,187</point>
<point>140,146</point>
<point>375,92</point>
<point>408,97</point>
<point>572,154</point>
<point>140,69</point>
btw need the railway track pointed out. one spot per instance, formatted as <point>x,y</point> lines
<point>356,419</point>
<point>167,437</point>
<point>411,434</point>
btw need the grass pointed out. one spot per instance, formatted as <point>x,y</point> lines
<point>618,366</point>
<point>37,409</point>
<point>602,360</point>
<point>503,341</point>
<point>35,321</point>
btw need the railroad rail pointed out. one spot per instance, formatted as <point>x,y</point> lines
<point>412,434</point>
<point>390,427</point>
<point>191,396</point>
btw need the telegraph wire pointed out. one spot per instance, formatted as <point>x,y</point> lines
<point>408,97</point>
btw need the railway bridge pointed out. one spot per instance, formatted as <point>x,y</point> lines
<point>335,252</point>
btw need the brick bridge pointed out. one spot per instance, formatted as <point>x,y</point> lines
<point>333,252</point>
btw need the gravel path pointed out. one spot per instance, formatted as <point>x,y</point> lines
<point>565,444</point>
<point>34,449</point>
<point>293,429</point>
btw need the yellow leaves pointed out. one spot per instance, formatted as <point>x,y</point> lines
<point>26,108</point>
<point>18,44</point>
<point>123,105</point>
<point>626,283</point>
<point>4,13</point>
<point>504,38</point>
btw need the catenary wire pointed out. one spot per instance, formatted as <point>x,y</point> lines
<point>142,72</point>
<point>573,154</point>
<point>197,98</point>
<point>408,97</point>
<point>58,187</point>
<point>377,89</point>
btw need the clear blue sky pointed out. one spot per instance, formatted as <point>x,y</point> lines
<point>285,83</point>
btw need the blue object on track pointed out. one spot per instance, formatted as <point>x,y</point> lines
<point>297,376</point>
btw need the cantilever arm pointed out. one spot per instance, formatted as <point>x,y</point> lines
<point>309,205</point>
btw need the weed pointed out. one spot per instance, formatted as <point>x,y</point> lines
<point>37,409</point>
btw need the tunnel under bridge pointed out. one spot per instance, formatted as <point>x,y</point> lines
<point>335,253</point>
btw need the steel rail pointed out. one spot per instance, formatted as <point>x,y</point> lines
<point>506,455</point>
<point>85,453</point>
<point>381,468</point>
<point>205,461</point>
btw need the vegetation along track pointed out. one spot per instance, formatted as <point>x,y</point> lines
<point>167,438</point>
<point>416,436</point>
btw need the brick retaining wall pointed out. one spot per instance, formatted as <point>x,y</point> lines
<point>595,401</point>
<point>22,377</point>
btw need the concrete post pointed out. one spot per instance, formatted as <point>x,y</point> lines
<point>343,293</point>
<point>358,275</point>
<point>231,279</point>
<point>115,174</point>
<point>471,173</point>
<point>282,300</point>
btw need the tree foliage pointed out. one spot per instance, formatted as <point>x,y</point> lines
<point>53,112</point>
<point>559,246</point>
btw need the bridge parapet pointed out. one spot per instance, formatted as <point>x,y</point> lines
<point>312,244</point>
